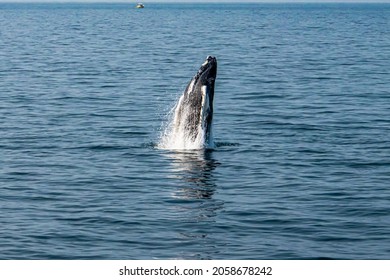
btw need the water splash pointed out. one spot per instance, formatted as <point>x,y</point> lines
<point>175,134</point>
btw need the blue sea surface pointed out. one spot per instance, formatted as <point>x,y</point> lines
<point>301,121</point>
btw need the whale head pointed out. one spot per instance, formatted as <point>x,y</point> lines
<point>208,72</point>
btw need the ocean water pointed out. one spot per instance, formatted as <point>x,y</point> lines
<point>301,168</point>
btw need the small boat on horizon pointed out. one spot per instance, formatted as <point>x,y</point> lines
<point>140,6</point>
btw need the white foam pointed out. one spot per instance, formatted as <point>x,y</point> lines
<point>176,136</point>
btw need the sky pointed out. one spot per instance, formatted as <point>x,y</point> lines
<point>194,1</point>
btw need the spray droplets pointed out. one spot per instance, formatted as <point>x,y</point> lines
<point>177,135</point>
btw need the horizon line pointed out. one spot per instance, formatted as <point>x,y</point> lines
<point>197,1</point>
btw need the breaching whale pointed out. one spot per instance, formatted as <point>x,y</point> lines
<point>194,112</point>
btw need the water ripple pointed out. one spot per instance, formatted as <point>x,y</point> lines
<point>301,165</point>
